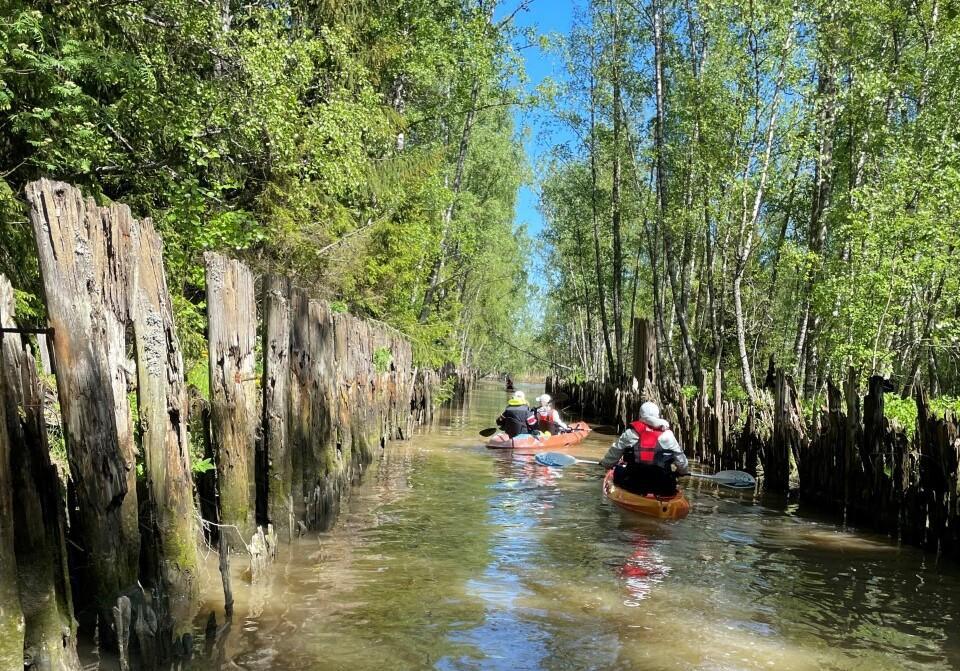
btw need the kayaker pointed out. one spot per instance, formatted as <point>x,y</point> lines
<point>548,418</point>
<point>647,459</point>
<point>518,418</point>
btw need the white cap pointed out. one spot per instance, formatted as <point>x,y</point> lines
<point>650,413</point>
<point>519,395</point>
<point>543,399</point>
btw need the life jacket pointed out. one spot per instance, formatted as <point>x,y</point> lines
<point>648,449</point>
<point>517,419</point>
<point>545,420</point>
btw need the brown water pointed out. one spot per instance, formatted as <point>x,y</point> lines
<point>449,556</point>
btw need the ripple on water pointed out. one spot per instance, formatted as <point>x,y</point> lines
<point>450,557</point>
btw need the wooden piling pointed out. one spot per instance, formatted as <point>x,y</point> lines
<point>48,630</point>
<point>232,332</point>
<point>11,614</point>
<point>163,410</point>
<point>79,252</point>
<point>278,474</point>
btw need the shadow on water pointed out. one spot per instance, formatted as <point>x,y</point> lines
<point>451,556</point>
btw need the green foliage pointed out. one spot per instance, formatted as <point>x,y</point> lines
<point>202,465</point>
<point>306,138</point>
<point>946,404</point>
<point>382,358</point>
<point>799,202</point>
<point>689,391</point>
<point>903,411</point>
<point>735,392</point>
<point>444,392</point>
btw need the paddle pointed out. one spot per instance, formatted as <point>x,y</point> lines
<point>735,479</point>
<point>559,459</point>
<point>486,433</point>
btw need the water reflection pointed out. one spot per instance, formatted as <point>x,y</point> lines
<point>451,556</point>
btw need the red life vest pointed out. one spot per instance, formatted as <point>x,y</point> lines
<point>545,419</point>
<point>646,450</point>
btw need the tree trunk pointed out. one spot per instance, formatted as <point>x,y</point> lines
<point>436,270</point>
<point>644,353</point>
<point>750,216</point>
<point>679,300</point>
<point>49,630</point>
<point>820,201</point>
<point>84,281</point>
<point>276,378</point>
<point>601,293</point>
<point>616,214</point>
<point>232,334</point>
<point>163,409</point>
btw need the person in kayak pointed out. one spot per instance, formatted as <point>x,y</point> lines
<point>518,418</point>
<point>548,418</point>
<point>647,459</point>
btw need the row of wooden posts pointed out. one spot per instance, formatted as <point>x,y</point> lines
<point>847,458</point>
<point>286,441</point>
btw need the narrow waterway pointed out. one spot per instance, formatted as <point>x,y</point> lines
<point>450,556</point>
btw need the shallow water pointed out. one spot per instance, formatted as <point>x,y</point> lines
<point>449,556</point>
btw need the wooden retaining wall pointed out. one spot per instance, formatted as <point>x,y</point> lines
<point>289,425</point>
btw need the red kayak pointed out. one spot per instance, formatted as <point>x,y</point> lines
<point>501,441</point>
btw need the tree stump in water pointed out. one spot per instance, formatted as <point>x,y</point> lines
<point>79,249</point>
<point>232,324</point>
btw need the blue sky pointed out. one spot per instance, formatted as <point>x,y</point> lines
<point>546,17</point>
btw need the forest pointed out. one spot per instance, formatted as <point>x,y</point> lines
<point>765,180</point>
<point>366,147</point>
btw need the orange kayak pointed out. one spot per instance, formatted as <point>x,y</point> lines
<point>501,441</point>
<point>670,508</point>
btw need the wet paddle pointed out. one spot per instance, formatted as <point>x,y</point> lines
<point>735,479</point>
<point>486,433</point>
<point>559,459</point>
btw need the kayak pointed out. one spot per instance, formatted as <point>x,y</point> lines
<point>501,441</point>
<point>667,508</point>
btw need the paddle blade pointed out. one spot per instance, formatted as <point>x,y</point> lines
<point>486,433</point>
<point>737,479</point>
<point>557,459</point>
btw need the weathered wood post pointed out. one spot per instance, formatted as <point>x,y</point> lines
<point>644,354</point>
<point>11,615</point>
<point>232,333</point>
<point>301,386</point>
<point>776,465</point>
<point>163,409</point>
<point>276,377</point>
<point>852,430</point>
<point>79,252</point>
<point>49,631</point>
